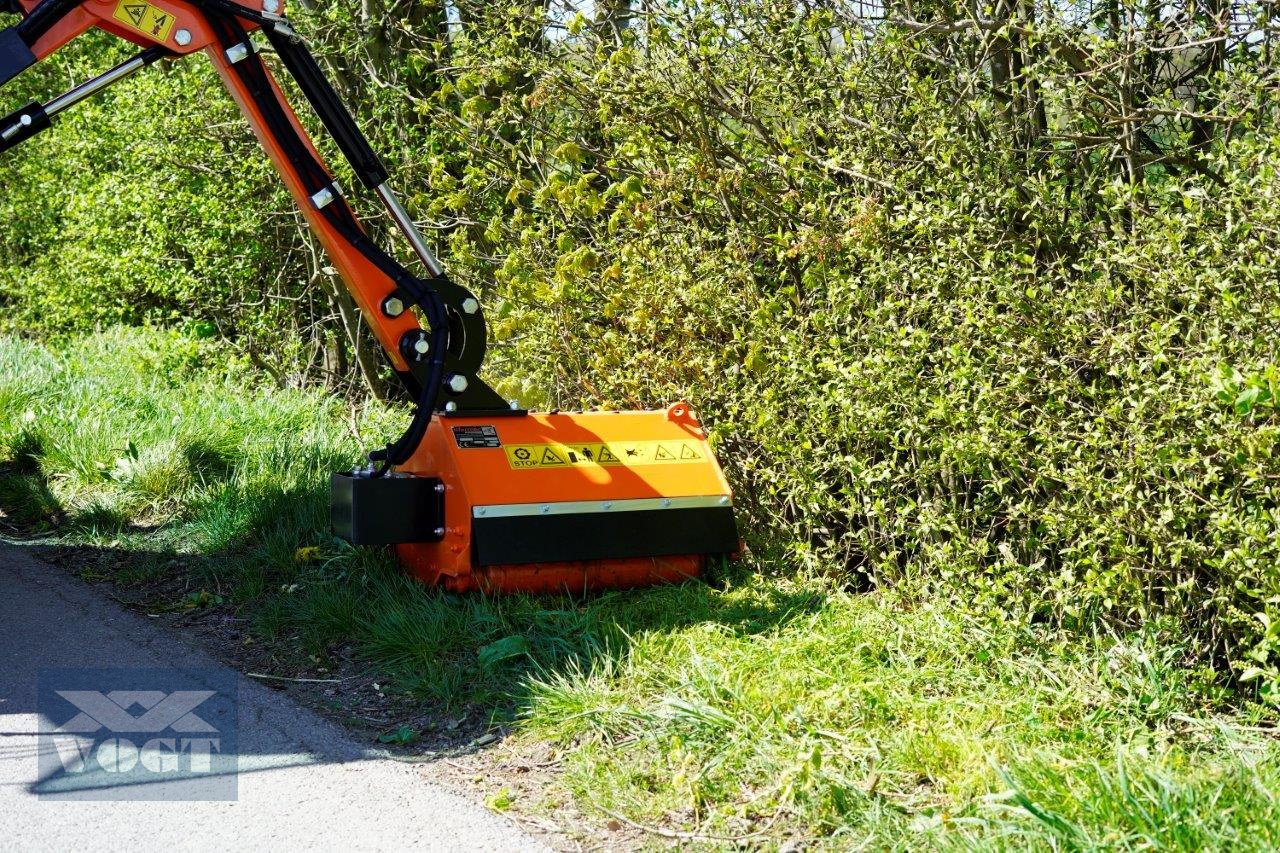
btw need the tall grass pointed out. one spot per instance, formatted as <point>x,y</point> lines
<point>777,707</point>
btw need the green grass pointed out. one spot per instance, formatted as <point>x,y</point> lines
<point>777,707</point>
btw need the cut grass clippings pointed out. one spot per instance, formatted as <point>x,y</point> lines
<point>777,707</point>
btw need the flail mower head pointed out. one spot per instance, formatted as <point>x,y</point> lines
<point>548,502</point>
<point>474,495</point>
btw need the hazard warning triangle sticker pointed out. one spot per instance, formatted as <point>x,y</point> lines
<point>687,452</point>
<point>550,457</point>
<point>136,11</point>
<point>662,454</point>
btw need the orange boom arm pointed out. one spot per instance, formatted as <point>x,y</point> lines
<point>476,493</point>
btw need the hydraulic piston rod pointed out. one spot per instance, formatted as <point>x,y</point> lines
<point>25,123</point>
<point>408,228</point>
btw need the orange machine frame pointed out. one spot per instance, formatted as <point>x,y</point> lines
<point>525,502</point>
<point>480,481</point>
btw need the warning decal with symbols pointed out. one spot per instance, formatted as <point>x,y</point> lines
<point>144,18</point>
<point>529,456</point>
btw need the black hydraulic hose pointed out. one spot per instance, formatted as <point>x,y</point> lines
<point>329,107</point>
<point>43,18</point>
<point>253,74</point>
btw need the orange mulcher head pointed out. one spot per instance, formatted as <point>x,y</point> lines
<point>548,502</point>
<point>474,495</point>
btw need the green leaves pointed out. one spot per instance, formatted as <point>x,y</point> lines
<point>505,649</point>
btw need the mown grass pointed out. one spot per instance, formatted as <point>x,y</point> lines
<point>775,707</point>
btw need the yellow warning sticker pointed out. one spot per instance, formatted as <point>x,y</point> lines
<point>145,18</point>
<point>528,456</point>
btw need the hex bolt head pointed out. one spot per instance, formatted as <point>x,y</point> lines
<point>470,306</point>
<point>392,306</point>
<point>666,502</point>
<point>457,383</point>
<point>514,404</point>
<point>440,488</point>
<point>481,510</point>
<point>451,406</point>
<point>439,531</point>
<point>271,6</point>
<point>422,346</point>
<point>607,505</point>
<point>182,37</point>
<point>544,509</point>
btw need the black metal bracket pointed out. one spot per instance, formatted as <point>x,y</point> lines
<point>386,510</point>
<point>15,55</point>
<point>468,342</point>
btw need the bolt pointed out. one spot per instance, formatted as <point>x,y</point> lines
<point>608,504</point>
<point>457,383</point>
<point>322,198</point>
<point>544,509</point>
<point>271,6</point>
<point>422,346</point>
<point>182,37</point>
<point>451,406</point>
<point>724,500</point>
<point>514,404</point>
<point>392,306</point>
<point>666,502</point>
<point>439,488</point>
<point>481,510</point>
<point>439,531</point>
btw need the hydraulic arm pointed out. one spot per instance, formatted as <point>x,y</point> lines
<point>477,493</point>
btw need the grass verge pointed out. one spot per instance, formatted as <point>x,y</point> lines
<point>776,707</point>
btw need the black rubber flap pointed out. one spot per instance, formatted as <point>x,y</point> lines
<point>15,56</point>
<point>386,510</point>
<point>558,537</point>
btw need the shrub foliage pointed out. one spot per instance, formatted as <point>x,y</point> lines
<point>979,303</point>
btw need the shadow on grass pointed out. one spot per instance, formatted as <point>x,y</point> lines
<point>252,573</point>
<point>26,501</point>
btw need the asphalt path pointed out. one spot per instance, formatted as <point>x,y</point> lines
<point>300,782</point>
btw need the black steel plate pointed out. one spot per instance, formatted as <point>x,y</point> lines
<point>603,535</point>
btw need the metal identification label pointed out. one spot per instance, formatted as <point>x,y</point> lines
<point>145,18</point>
<point>471,437</point>
<point>523,457</point>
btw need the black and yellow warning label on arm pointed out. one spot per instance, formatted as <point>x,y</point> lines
<point>527,456</point>
<point>145,18</point>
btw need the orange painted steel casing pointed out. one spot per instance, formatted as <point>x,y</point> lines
<point>484,477</point>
